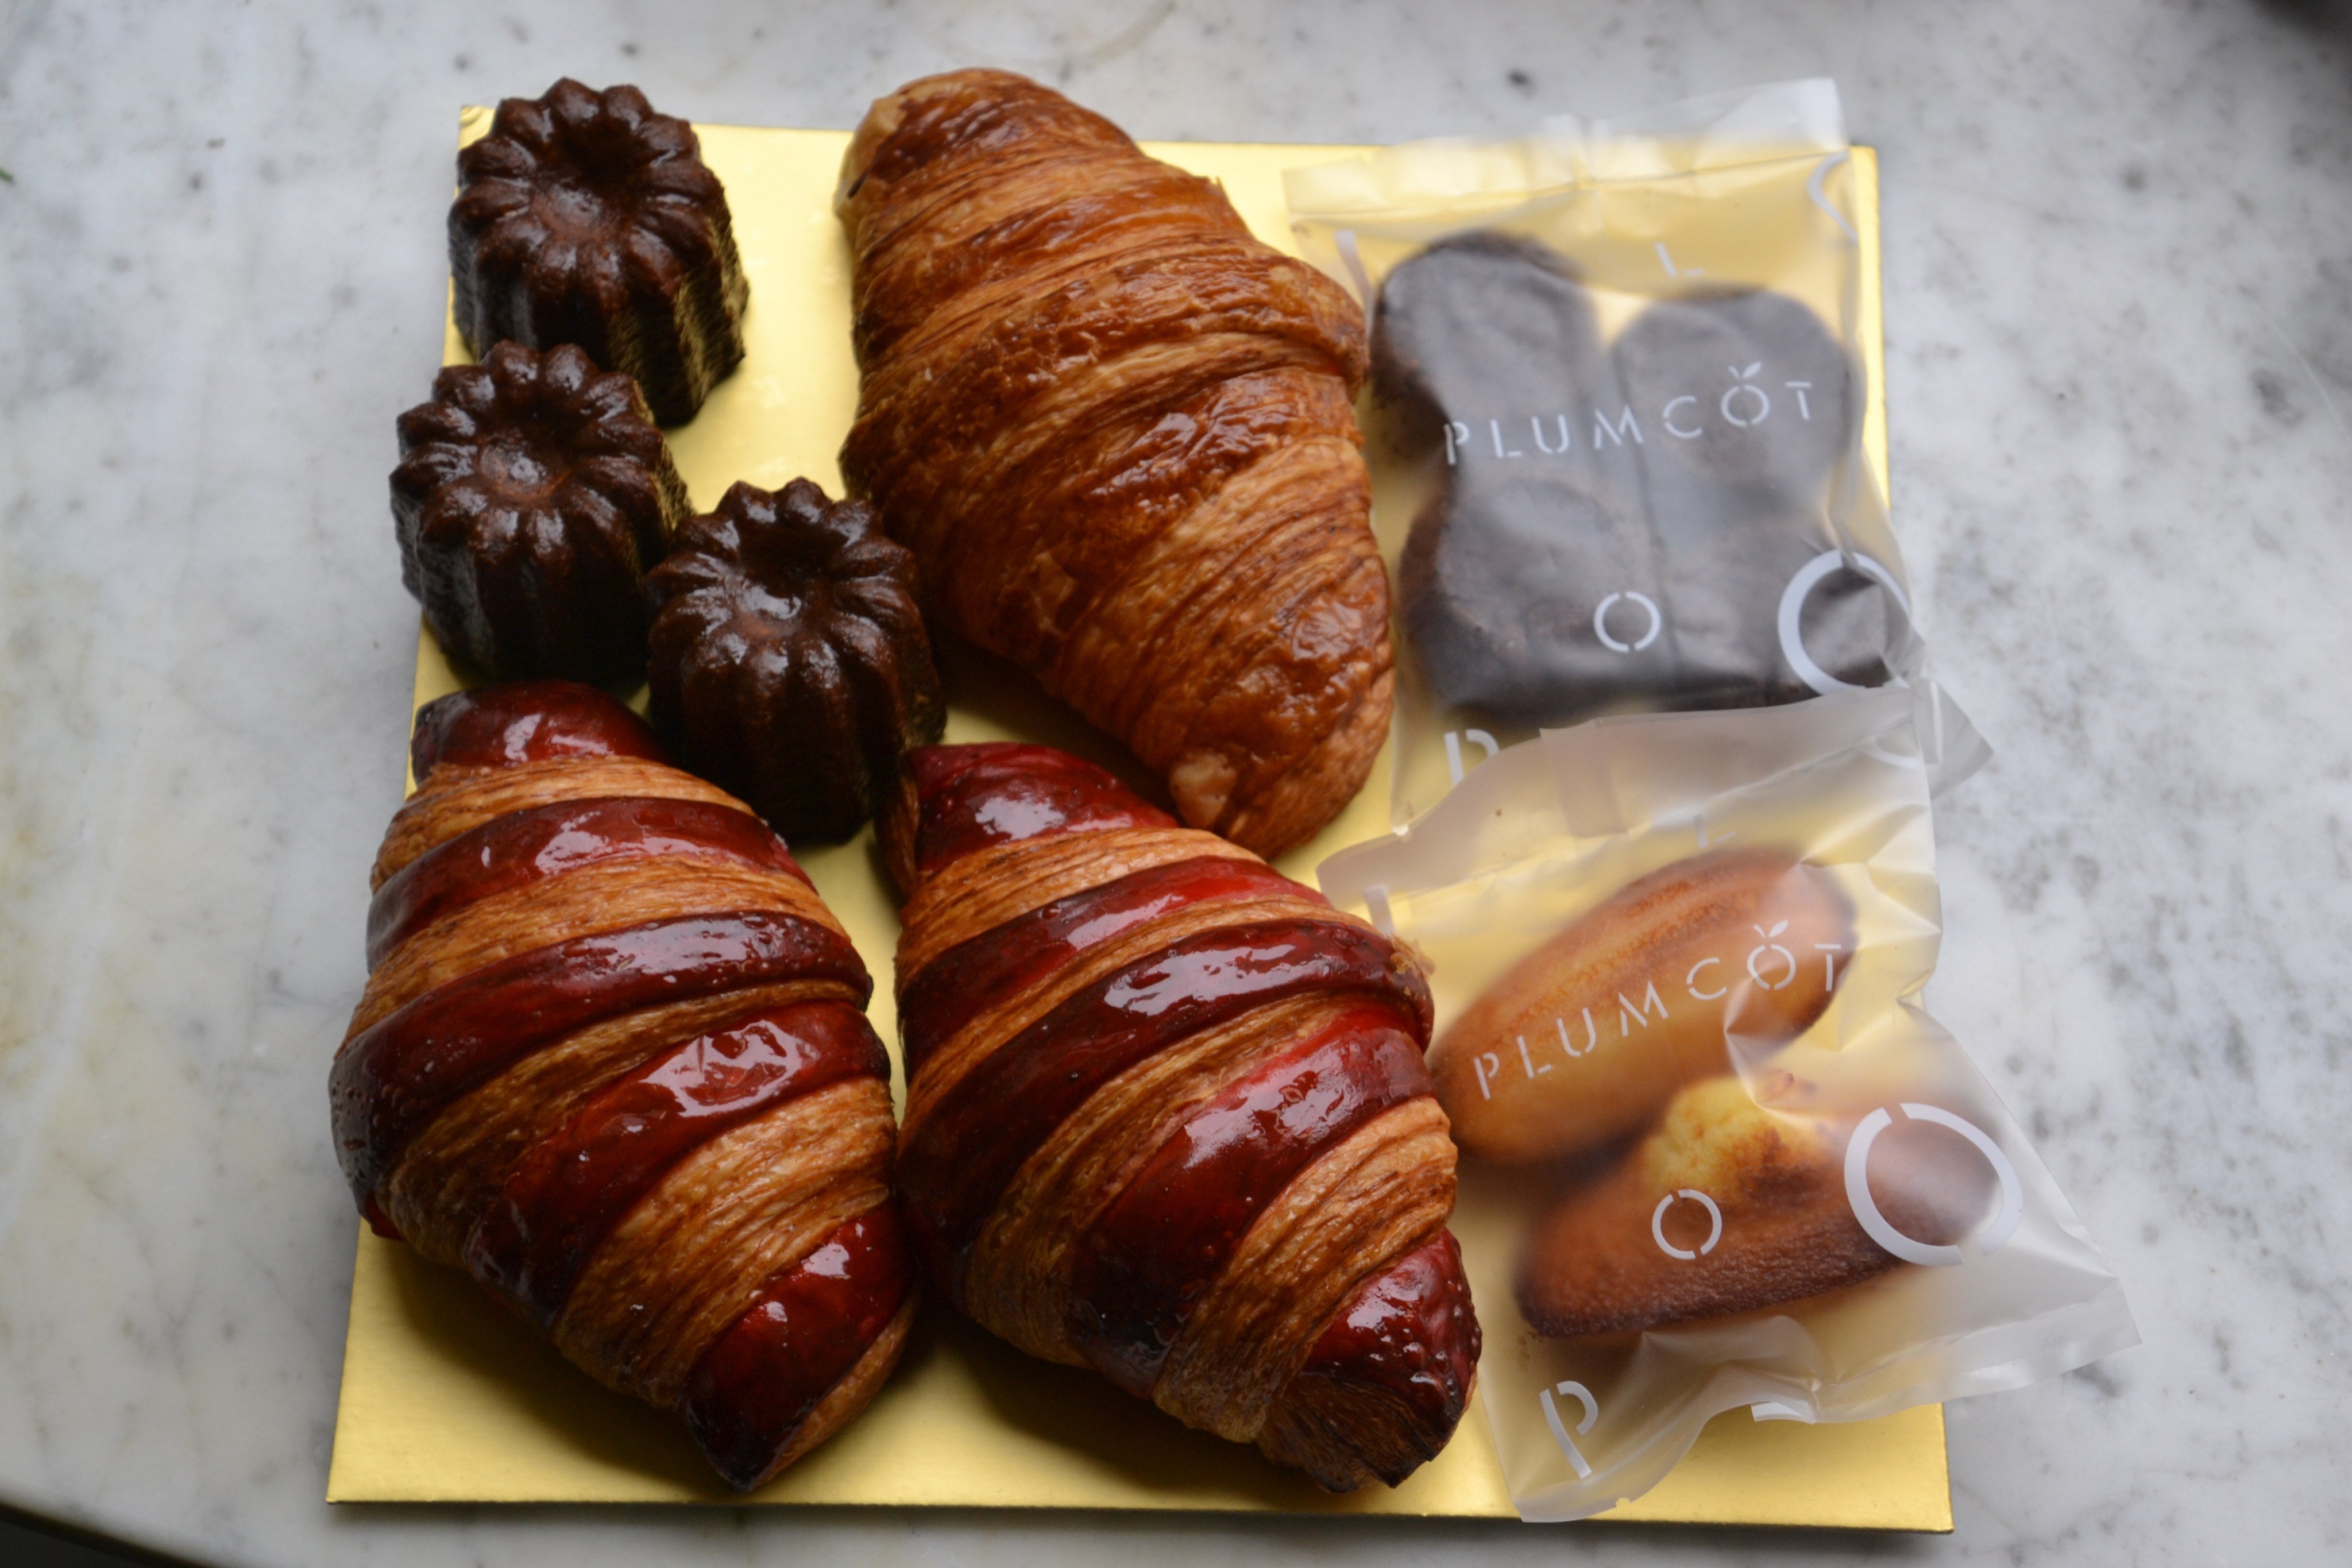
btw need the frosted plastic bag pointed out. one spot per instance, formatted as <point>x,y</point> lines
<point>1715,1151</point>
<point>1618,420</point>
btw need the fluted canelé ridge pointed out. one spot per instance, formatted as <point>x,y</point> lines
<point>790,663</point>
<point>611,1060</point>
<point>586,217</point>
<point>532,496</point>
<point>1167,1117</point>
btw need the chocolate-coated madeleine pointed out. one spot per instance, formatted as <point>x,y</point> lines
<point>1485,326</point>
<point>1746,391</point>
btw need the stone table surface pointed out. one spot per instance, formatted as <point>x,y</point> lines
<point>2118,244</point>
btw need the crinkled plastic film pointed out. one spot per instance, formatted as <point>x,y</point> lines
<point>1715,1152</point>
<point>1616,423</point>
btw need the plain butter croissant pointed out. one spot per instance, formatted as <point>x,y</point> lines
<point>1117,432</point>
<point>1167,1117</point>
<point>610,1059</point>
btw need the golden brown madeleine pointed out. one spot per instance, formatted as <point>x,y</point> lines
<point>612,1059</point>
<point>1731,1206</point>
<point>1117,432</point>
<point>1586,1038</point>
<point>1167,1117</point>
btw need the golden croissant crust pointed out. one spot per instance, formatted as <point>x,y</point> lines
<point>1167,1117</point>
<point>1117,432</point>
<point>611,1060</point>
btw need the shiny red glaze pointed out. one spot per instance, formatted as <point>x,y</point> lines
<point>572,1188</point>
<point>750,1392</point>
<point>518,722</point>
<point>527,846</point>
<point>1168,1235</point>
<point>1410,1330</point>
<point>392,1080</point>
<point>981,973</point>
<point>961,1159</point>
<point>1001,792</point>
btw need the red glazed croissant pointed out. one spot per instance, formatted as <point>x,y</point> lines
<point>1167,1117</point>
<point>610,1059</point>
<point>1117,432</point>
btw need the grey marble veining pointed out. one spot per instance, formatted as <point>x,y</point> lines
<point>2118,244</point>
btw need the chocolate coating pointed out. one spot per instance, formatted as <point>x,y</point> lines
<point>586,217</point>
<point>1736,353</point>
<point>789,665</point>
<point>1618,528</point>
<point>1484,324</point>
<point>532,494</point>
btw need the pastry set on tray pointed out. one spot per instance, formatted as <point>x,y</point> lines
<point>1169,1114</point>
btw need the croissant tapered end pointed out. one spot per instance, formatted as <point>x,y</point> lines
<point>956,800</point>
<point>1167,1118</point>
<point>611,1060</point>
<point>525,721</point>
<point>1384,1387</point>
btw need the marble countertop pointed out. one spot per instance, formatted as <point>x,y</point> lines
<point>2119,299</point>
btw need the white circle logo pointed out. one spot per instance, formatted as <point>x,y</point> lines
<point>1584,1396</point>
<point>1658,1225</point>
<point>1601,622</point>
<point>1866,1207</point>
<point>1792,612</point>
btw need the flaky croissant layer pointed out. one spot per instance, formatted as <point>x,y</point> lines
<point>611,1060</point>
<point>1167,1118</point>
<point>1117,432</point>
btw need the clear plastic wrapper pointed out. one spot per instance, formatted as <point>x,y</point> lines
<point>1617,420</point>
<point>1715,1152</point>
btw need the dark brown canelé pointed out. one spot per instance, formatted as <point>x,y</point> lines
<point>532,494</point>
<point>789,665</point>
<point>586,217</point>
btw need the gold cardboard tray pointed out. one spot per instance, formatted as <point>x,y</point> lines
<point>447,1399</point>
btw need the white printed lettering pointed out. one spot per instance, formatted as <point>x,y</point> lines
<point>1691,980</point>
<point>1592,1034</point>
<point>1770,946</point>
<point>1760,409</point>
<point>1487,1066</point>
<point>1628,1015</point>
<point>1604,434</point>
<point>1526,1063</point>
